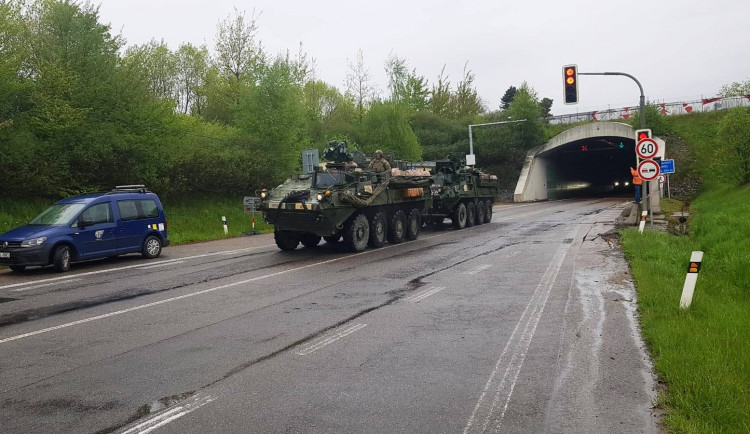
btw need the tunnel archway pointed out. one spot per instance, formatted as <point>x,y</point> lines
<point>590,159</point>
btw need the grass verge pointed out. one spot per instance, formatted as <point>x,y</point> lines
<point>190,220</point>
<point>703,353</point>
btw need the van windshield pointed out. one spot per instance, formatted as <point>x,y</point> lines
<point>58,215</point>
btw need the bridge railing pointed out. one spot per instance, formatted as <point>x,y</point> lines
<point>667,109</point>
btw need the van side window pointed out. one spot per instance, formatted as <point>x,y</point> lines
<point>137,209</point>
<point>99,213</point>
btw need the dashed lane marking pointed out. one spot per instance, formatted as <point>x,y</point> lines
<point>330,339</point>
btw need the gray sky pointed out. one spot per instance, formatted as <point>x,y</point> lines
<point>679,50</point>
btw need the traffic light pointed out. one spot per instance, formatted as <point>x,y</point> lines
<point>642,134</point>
<point>570,84</point>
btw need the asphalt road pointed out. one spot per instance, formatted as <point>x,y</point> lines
<point>525,324</point>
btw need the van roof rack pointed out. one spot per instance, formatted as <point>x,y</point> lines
<point>137,188</point>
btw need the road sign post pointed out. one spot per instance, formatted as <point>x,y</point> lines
<point>251,204</point>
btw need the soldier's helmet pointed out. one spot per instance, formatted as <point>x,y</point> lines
<point>378,154</point>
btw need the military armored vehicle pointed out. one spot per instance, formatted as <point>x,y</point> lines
<point>341,200</point>
<point>462,193</point>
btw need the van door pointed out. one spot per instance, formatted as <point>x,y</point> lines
<point>96,238</point>
<point>137,218</point>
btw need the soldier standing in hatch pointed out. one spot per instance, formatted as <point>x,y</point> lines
<point>378,163</point>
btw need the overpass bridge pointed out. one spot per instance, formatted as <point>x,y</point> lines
<point>590,159</point>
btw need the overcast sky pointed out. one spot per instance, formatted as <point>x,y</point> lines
<point>678,49</point>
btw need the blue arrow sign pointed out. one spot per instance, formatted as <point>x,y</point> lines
<point>667,166</point>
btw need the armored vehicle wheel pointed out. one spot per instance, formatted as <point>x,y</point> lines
<point>459,216</point>
<point>286,240</point>
<point>356,232</point>
<point>310,240</point>
<point>488,211</point>
<point>413,224</point>
<point>332,238</point>
<point>378,228</point>
<point>480,213</point>
<point>471,214</point>
<point>397,228</point>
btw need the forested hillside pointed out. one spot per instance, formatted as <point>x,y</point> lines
<point>80,110</point>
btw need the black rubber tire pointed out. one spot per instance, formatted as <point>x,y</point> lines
<point>309,240</point>
<point>356,232</point>
<point>413,224</point>
<point>378,230</point>
<point>61,258</point>
<point>480,213</point>
<point>286,240</point>
<point>488,211</point>
<point>151,247</point>
<point>459,216</point>
<point>18,268</point>
<point>397,227</point>
<point>332,239</point>
<point>471,214</point>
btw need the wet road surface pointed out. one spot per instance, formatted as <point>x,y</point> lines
<point>525,324</point>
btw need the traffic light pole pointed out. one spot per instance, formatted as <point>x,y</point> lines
<point>647,195</point>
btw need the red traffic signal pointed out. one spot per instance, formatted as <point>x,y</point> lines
<point>642,134</point>
<point>570,84</point>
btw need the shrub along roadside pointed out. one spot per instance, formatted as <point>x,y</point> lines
<point>703,354</point>
<point>190,220</point>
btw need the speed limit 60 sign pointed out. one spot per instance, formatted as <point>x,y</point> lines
<point>646,148</point>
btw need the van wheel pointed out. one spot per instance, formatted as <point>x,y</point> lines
<point>18,268</point>
<point>61,259</point>
<point>151,247</point>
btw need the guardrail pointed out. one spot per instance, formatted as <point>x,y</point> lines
<point>667,109</point>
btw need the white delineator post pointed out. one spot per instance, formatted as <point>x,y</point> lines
<point>643,221</point>
<point>692,277</point>
<point>224,222</point>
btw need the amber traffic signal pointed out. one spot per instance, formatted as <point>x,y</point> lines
<point>570,84</point>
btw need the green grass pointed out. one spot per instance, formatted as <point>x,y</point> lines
<point>703,354</point>
<point>190,220</point>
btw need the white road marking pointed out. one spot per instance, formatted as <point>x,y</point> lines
<point>479,269</point>
<point>43,285</point>
<point>330,339</point>
<point>161,264</point>
<point>169,415</point>
<point>54,279</point>
<point>205,291</point>
<point>513,355</point>
<point>416,298</point>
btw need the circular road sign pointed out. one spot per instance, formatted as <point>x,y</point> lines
<point>646,148</point>
<point>648,170</point>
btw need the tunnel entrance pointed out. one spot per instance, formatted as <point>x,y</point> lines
<point>591,166</point>
<point>589,160</point>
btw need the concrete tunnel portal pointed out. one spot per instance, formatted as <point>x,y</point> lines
<point>588,160</point>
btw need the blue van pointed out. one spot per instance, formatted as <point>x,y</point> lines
<point>128,219</point>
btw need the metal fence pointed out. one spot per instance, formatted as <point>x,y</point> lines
<point>667,109</point>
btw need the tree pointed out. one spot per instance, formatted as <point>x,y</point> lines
<point>737,88</point>
<point>526,106</point>
<point>239,54</point>
<point>191,71</point>
<point>159,66</point>
<point>359,85</point>
<point>508,97</point>
<point>546,106</point>
<point>406,87</point>
<point>440,95</point>
<point>465,102</point>
<point>330,115</point>
<point>386,127</point>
